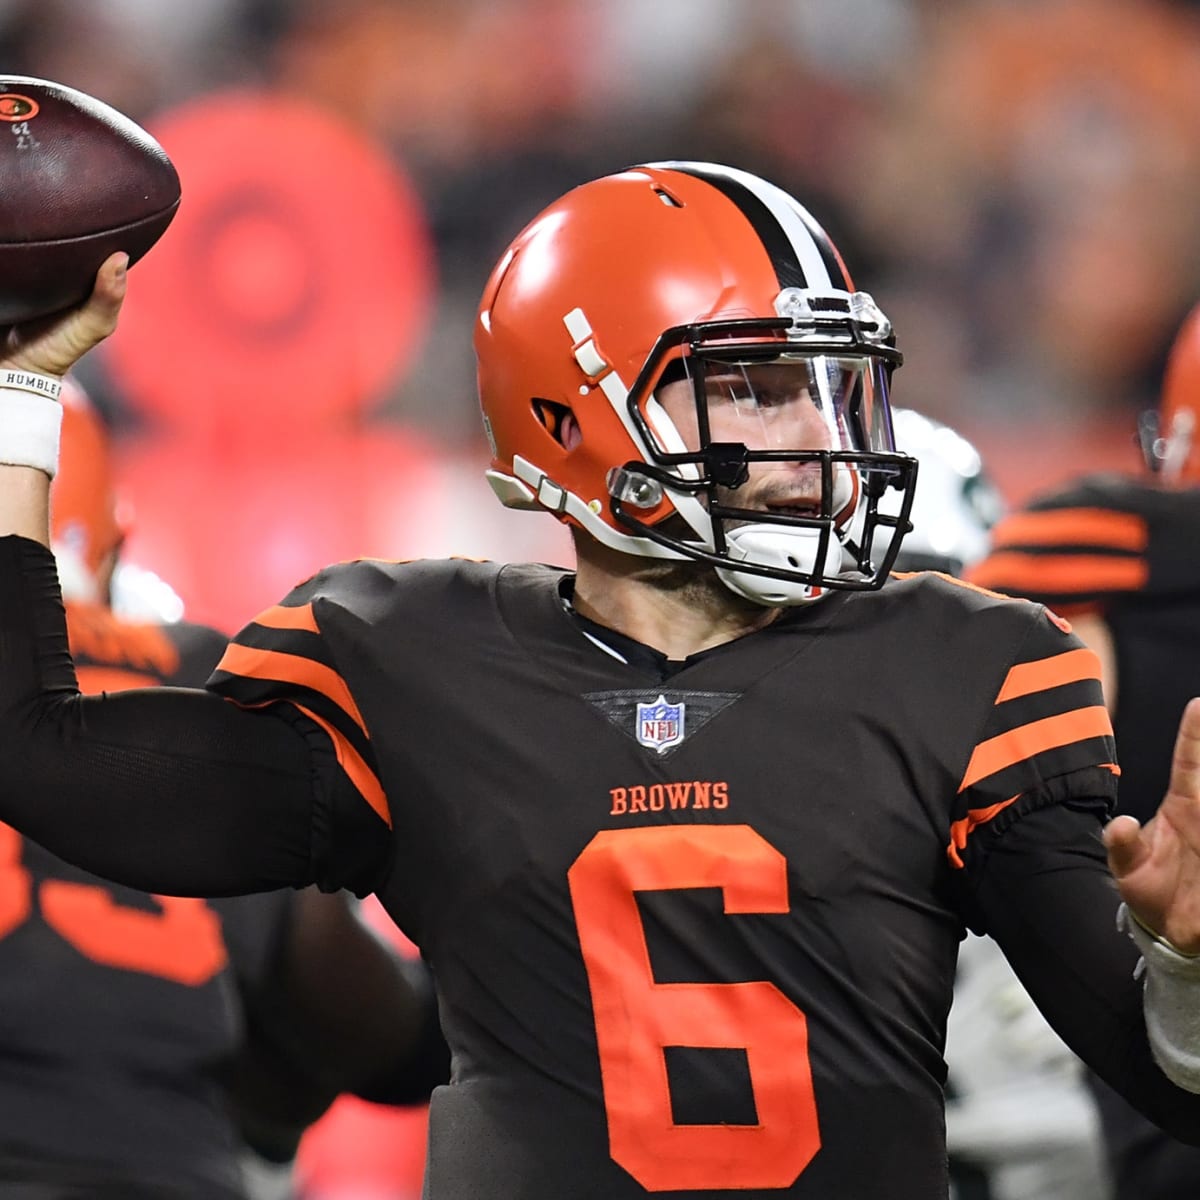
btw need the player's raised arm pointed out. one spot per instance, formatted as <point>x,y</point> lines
<point>167,790</point>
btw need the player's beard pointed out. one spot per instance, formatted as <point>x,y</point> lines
<point>697,583</point>
<point>771,490</point>
<point>694,583</point>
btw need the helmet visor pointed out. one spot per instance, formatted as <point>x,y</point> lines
<point>787,411</point>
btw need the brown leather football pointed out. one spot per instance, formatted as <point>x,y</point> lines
<point>78,181</point>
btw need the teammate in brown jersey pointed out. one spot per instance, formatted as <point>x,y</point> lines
<point>154,1046</point>
<point>645,990</point>
<point>1118,553</point>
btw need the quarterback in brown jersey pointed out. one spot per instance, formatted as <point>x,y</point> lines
<point>1118,553</point>
<point>154,1046</point>
<point>689,834</point>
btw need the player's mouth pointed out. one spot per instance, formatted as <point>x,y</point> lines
<point>793,508</point>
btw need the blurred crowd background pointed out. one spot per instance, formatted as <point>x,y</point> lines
<point>1014,180</point>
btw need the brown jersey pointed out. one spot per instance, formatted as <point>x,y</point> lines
<point>1126,550</point>
<point>692,935</point>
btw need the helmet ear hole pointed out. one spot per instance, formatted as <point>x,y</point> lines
<point>558,421</point>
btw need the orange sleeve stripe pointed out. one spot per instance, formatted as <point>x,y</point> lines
<point>1040,573</point>
<point>961,830</point>
<point>1074,526</point>
<point>1069,667</point>
<point>283,617</point>
<point>291,668</point>
<point>352,763</point>
<point>1025,741</point>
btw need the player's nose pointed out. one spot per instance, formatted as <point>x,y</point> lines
<point>797,425</point>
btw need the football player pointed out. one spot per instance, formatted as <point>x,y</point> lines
<point>159,1046</point>
<point>690,834</point>
<point>1116,553</point>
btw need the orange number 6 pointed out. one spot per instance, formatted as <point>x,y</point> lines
<point>637,1018</point>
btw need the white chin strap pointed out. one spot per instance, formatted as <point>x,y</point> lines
<point>778,546</point>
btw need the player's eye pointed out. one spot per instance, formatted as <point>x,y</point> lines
<point>732,390</point>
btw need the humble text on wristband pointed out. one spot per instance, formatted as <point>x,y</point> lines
<point>31,381</point>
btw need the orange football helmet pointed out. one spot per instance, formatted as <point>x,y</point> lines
<point>86,529</point>
<point>690,271</point>
<point>1170,437</point>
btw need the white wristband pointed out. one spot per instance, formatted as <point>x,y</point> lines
<point>30,424</point>
<point>1170,1003</point>
<point>31,381</point>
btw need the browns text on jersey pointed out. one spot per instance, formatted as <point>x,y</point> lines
<point>677,794</point>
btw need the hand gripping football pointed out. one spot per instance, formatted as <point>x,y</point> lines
<point>78,181</point>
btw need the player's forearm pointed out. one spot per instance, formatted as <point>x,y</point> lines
<point>393,1051</point>
<point>36,356</point>
<point>166,790</point>
<point>25,503</point>
<point>410,1076</point>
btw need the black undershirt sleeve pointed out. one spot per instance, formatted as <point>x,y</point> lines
<point>168,790</point>
<point>1045,895</point>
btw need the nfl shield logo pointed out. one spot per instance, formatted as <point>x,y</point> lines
<point>660,725</point>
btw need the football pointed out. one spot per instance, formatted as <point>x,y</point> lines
<point>78,181</point>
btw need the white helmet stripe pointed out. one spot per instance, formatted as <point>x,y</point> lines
<point>798,247</point>
<point>797,225</point>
